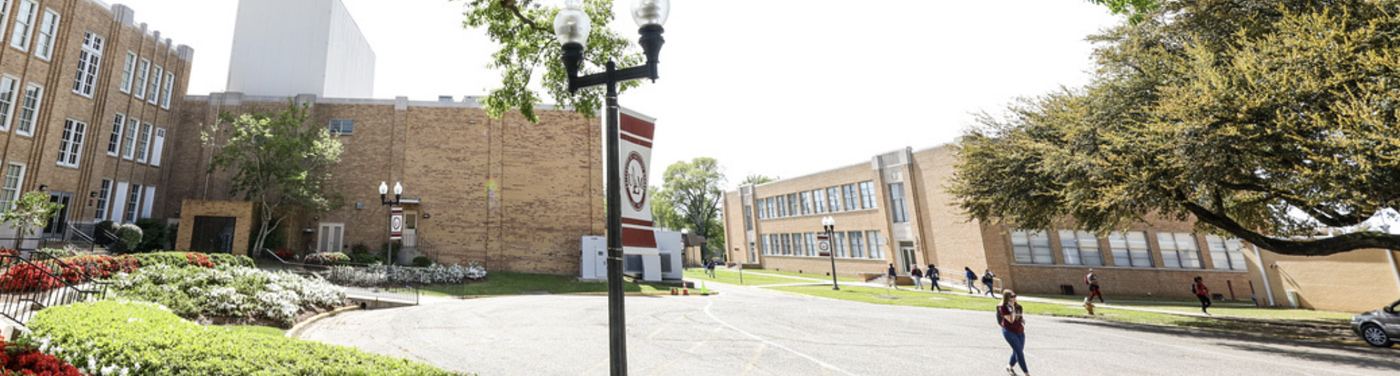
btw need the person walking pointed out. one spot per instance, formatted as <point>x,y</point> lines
<point>710,267</point>
<point>1093,281</point>
<point>1013,329</point>
<point>933,278</point>
<point>889,275</point>
<point>1202,293</point>
<point>918,278</point>
<point>989,280</point>
<point>971,280</point>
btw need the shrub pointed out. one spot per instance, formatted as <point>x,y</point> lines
<point>128,237</point>
<point>359,248</point>
<point>228,292</point>
<point>350,276</point>
<point>232,260</point>
<point>182,259</point>
<point>422,261</point>
<point>55,252</point>
<point>326,258</point>
<point>23,358</point>
<point>146,339</point>
<point>101,233</point>
<point>152,234</point>
<point>366,258</point>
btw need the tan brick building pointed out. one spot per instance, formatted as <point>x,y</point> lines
<point>894,210</point>
<point>86,109</point>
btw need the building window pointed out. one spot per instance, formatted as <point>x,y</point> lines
<point>897,211</point>
<point>29,112</point>
<point>793,204</point>
<point>857,244</point>
<point>24,23</point>
<point>806,203</point>
<point>114,143</point>
<point>4,12</point>
<point>128,69</point>
<point>132,203</point>
<point>811,244</point>
<point>14,180</point>
<point>7,100</point>
<point>819,198</point>
<point>772,213</point>
<point>1130,249</point>
<point>142,73</point>
<point>1179,250</point>
<point>787,244</point>
<point>1032,247</point>
<point>867,195</point>
<point>748,218</point>
<point>838,244</point>
<point>342,126</point>
<point>165,92</point>
<point>777,247</point>
<point>70,147</point>
<point>762,213</point>
<point>102,197</point>
<point>155,85</point>
<point>849,192</point>
<point>129,140</point>
<point>877,244</point>
<point>763,244</point>
<point>833,198</point>
<point>89,59</point>
<point>782,206</point>
<point>797,248</point>
<point>46,31</point>
<point>1226,254</point>
<point>143,144</point>
<point>1080,248</point>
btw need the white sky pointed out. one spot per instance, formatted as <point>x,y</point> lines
<point>780,88</point>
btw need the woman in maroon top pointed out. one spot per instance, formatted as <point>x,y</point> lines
<point>1013,329</point>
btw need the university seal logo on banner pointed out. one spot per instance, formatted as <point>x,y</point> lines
<point>635,180</point>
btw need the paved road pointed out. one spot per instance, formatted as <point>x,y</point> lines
<point>747,331</point>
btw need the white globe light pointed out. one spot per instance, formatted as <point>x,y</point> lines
<point>650,12</point>
<point>383,188</point>
<point>398,188</point>
<point>572,25</point>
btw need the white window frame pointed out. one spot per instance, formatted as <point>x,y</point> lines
<point>30,116</point>
<point>875,244</point>
<point>833,199</point>
<point>1130,249</point>
<point>899,212</point>
<point>70,146</point>
<point>326,237</point>
<point>337,126</point>
<point>867,194</point>
<point>133,204</point>
<point>24,25</point>
<point>1032,248</point>
<point>811,243</point>
<point>857,239</point>
<point>4,15</point>
<point>168,85</point>
<point>851,194</point>
<point>143,144</point>
<point>149,202</point>
<point>128,71</point>
<point>763,244</point>
<point>47,29</point>
<point>142,73</point>
<point>104,193</point>
<point>838,244</point>
<point>1080,248</point>
<point>1226,254</point>
<point>8,93</point>
<point>129,138</point>
<point>1179,250</point>
<point>158,147</point>
<point>89,62</point>
<point>9,195</point>
<point>154,90</point>
<point>114,144</point>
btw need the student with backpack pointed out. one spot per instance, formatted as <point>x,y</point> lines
<point>933,278</point>
<point>971,280</point>
<point>1092,280</point>
<point>918,278</point>
<point>1013,329</point>
<point>892,277</point>
<point>989,280</point>
<point>1202,293</point>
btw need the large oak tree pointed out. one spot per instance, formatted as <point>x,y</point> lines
<point>1272,121</point>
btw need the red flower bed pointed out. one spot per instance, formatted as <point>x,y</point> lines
<point>28,277</point>
<point>285,254</point>
<point>23,359</point>
<point>199,259</point>
<point>98,266</point>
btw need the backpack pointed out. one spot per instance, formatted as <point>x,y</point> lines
<point>1001,321</point>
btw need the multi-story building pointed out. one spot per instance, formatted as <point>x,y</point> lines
<point>86,109</point>
<point>894,210</point>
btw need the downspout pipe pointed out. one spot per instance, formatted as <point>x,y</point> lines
<point>1264,271</point>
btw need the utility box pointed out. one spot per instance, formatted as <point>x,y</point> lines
<point>594,264</point>
<point>661,264</point>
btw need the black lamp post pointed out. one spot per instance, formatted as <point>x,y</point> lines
<point>571,26</point>
<point>829,224</point>
<point>384,200</point>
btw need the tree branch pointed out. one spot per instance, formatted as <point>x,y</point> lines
<point>510,4</point>
<point>1309,247</point>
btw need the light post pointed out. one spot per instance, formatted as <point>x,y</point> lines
<point>829,224</point>
<point>384,200</point>
<point>571,26</point>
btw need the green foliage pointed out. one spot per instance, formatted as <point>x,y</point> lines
<point>1136,10</point>
<point>152,234</point>
<point>102,230</point>
<point>57,253</point>
<point>277,159</point>
<point>422,261</point>
<point>359,248</point>
<point>235,292</point>
<point>172,234</point>
<point>180,259</point>
<point>524,31</point>
<point>125,334</point>
<point>663,211</point>
<point>692,191</point>
<point>32,212</point>
<point>1272,121</point>
<point>757,179</point>
<point>128,238</point>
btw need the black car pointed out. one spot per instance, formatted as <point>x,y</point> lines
<point>1378,328</point>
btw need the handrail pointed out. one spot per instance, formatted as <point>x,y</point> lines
<point>12,303</point>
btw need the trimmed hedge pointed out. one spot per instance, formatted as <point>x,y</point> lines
<point>147,339</point>
<point>182,259</point>
<point>228,292</point>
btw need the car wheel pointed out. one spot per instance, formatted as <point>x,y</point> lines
<point>1375,336</point>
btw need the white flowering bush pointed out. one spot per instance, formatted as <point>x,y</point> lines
<point>228,291</point>
<point>376,275</point>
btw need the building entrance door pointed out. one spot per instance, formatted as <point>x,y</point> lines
<point>330,237</point>
<point>58,225</point>
<point>410,228</point>
<point>212,234</point>
<point>752,256</point>
<point>906,257</point>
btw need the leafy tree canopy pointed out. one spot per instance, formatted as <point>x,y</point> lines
<point>524,30</point>
<point>1272,121</point>
<point>31,212</point>
<point>1136,10</point>
<point>692,191</point>
<point>757,179</point>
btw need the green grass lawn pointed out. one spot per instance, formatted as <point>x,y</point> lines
<point>1237,309</point>
<point>820,276</point>
<point>254,329</point>
<point>732,278</point>
<point>511,283</point>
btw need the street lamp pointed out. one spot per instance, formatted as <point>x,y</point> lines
<point>384,200</point>
<point>829,224</point>
<point>572,26</point>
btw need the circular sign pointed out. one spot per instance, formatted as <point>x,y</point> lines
<point>396,224</point>
<point>634,180</point>
<point>823,246</point>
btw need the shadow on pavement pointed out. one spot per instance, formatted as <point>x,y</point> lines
<point>1356,355</point>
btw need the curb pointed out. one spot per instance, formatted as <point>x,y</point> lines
<point>296,329</point>
<point>645,293</point>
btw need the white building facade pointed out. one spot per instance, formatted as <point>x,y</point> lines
<point>290,47</point>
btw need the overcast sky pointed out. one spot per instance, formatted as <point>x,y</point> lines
<point>779,88</point>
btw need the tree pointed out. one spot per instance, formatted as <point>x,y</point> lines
<point>524,30</point>
<point>1136,10</point>
<point>663,212</point>
<point>693,190</point>
<point>32,211</point>
<point>278,160</point>
<point>757,179</point>
<point>1272,121</point>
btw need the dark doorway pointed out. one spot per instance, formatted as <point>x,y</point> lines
<point>212,234</point>
<point>58,225</point>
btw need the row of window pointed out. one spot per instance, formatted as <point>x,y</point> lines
<point>827,200</point>
<point>124,200</point>
<point>146,81</point>
<point>852,244</point>
<point>126,142</point>
<point>1128,249</point>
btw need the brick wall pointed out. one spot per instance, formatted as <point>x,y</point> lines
<point>241,211</point>
<point>1355,281</point>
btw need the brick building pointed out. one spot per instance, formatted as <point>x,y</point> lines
<point>894,210</point>
<point>86,109</point>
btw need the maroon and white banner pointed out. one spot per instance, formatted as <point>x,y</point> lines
<point>396,223</point>
<point>635,132</point>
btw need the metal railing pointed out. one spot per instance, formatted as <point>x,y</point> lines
<point>29,285</point>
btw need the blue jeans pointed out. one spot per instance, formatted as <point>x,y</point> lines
<point>1017,342</point>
